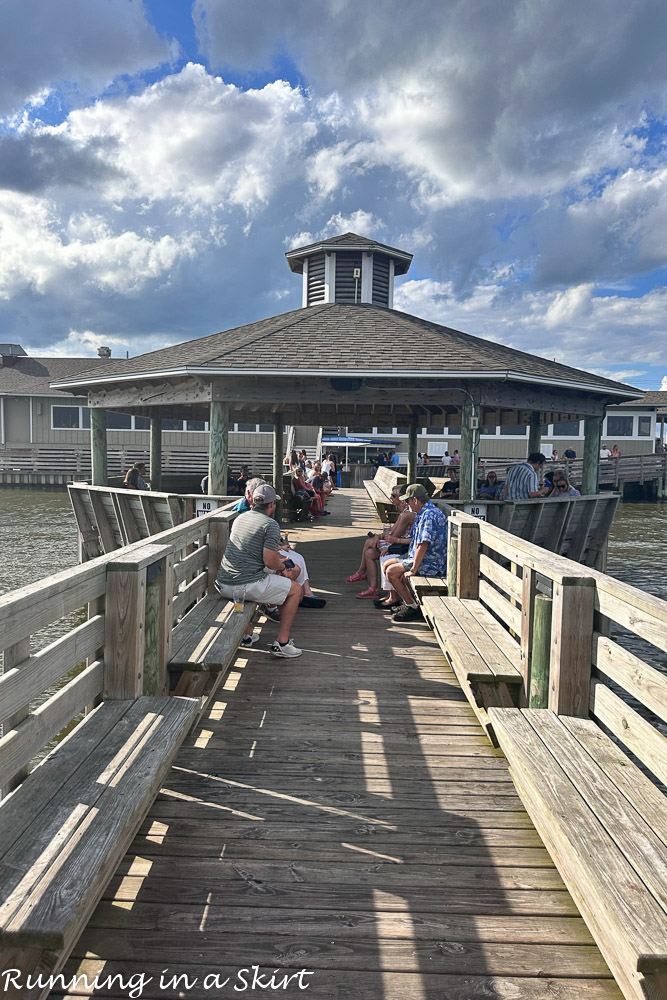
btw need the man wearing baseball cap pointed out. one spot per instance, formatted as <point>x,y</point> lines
<point>427,555</point>
<point>252,561</point>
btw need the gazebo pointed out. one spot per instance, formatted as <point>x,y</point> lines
<point>344,357</point>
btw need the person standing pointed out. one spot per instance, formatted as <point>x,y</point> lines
<point>456,458</point>
<point>252,562</point>
<point>605,452</point>
<point>394,460</point>
<point>522,479</point>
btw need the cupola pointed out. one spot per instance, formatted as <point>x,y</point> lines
<point>348,269</point>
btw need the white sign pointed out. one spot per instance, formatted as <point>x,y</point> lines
<point>205,507</point>
<point>476,509</point>
<point>437,448</point>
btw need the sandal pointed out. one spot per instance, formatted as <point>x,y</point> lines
<point>355,578</point>
<point>371,592</point>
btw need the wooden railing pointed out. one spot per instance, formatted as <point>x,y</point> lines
<point>75,460</point>
<point>132,598</point>
<point>598,642</point>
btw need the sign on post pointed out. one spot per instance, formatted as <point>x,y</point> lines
<point>205,506</point>
<point>476,510</point>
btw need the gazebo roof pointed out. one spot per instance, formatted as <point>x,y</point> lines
<point>333,340</point>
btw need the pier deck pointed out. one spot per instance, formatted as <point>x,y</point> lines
<point>345,814</point>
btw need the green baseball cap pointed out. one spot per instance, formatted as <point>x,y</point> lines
<point>415,490</point>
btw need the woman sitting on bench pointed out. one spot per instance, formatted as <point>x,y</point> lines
<point>394,536</point>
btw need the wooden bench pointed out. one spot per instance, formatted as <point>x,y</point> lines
<point>605,825</point>
<point>482,654</point>
<point>67,826</point>
<point>204,645</point>
<point>421,586</point>
<point>379,490</point>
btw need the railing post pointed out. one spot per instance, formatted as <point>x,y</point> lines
<point>527,624</point>
<point>218,533</point>
<point>452,562</point>
<point>571,638</point>
<point>539,659</point>
<point>467,562</point>
<point>125,625</point>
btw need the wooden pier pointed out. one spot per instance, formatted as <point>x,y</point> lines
<point>343,813</point>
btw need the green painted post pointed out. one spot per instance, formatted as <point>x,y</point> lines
<point>592,440</point>
<point>412,450</point>
<point>535,432</point>
<point>541,652</point>
<point>218,448</point>
<point>278,429</point>
<point>155,466</point>
<point>98,446</point>
<point>469,453</point>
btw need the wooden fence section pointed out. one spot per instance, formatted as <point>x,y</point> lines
<point>584,733</point>
<point>75,461</point>
<point>108,518</point>
<point>133,598</point>
<point>574,527</point>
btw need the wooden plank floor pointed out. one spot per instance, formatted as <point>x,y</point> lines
<point>342,813</point>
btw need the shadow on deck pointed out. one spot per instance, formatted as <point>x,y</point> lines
<point>342,813</point>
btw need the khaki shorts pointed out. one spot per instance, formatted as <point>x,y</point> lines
<point>271,589</point>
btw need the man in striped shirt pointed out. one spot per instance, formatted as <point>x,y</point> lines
<point>522,480</point>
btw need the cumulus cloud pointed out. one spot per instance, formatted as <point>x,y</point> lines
<point>81,45</point>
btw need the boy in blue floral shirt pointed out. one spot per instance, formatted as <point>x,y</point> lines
<point>427,555</point>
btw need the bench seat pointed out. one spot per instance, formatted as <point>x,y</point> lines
<point>67,826</point>
<point>481,652</point>
<point>208,636</point>
<point>605,825</point>
<point>421,586</point>
<point>385,508</point>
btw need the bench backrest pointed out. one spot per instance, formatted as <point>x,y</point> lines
<point>387,478</point>
<point>132,598</point>
<point>604,651</point>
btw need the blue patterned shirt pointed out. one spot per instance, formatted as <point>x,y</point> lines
<point>430,526</point>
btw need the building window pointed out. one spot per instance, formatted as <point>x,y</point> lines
<point>570,428</point>
<point>85,417</point>
<point>142,424</point>
<point>171,424</point>
<point>196,425</point>
<point>67,418</point>
<point>403,430</point>
<point>644,428</point>
<point>246,428</point>
<point>266,428</point>
<point>385,430</point>
<point>489,431</point>
<point>619,426</point>
<point>513,430</point>
<point>118,421</point>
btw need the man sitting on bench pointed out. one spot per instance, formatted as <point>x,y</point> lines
<point>253,565</point>
<point>427,555</point>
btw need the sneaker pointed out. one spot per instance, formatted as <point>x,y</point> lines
<point>289,650</point>
<point>249,640</point>
<point>312,602</point>
<point>272,613</point>
<point>409,615</point>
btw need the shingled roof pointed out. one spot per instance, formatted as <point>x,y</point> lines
<point>28,376</point>
<point>338,340</point>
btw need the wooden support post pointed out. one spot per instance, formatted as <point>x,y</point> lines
<point>452,563</point>
<point>571,637</point>
<point>278,455</point>
<point>218,448</point>
<point>125,623</point>
<point>412,449</point>
<point>218,532</point>
<point>469,453</point>
<point>592,440</point>
<point>535,432</point>
<point>539,660</point>
<point>467,562</point>
<point>529,582</point>
<point>98,446</point>
<point>155,465</point>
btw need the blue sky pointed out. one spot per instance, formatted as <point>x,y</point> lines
<point>157,159</point>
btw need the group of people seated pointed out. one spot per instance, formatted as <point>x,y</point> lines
<point>312,482</point>
<point>415,545</point>
<point>519,485</point>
